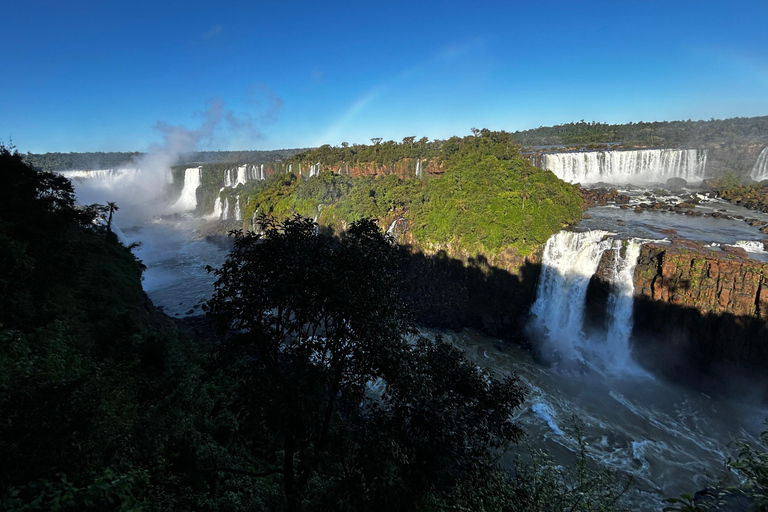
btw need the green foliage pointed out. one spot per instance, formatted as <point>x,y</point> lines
<point>315,322</point>
<point>487,203</point>
<point>750,489</point>
<point>489,197</point>
<point>542,485</point>
<point>660,133</point>
<point>112,160</point>
<point>109,490</point>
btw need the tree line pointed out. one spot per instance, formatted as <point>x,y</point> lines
<point>659,133</point>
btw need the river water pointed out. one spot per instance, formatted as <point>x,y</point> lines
<point>669,439</point>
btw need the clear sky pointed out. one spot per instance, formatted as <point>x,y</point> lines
<point>119,75</point>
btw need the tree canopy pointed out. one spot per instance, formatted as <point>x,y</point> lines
<point>358,408</point>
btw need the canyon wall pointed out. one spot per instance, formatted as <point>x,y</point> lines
<point>700,309</point>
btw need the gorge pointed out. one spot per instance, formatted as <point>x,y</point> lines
<point>624,295</point>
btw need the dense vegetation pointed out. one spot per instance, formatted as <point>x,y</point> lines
<point>319,394</point>
<point>388,153</point>
<point>320,398</point>
<point>657,134</point>
<point>488,197</point>
<point>115,160</point>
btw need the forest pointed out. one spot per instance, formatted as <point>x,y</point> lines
<point>487,197</point>
<point>114,160</point>
<point>665,134</point>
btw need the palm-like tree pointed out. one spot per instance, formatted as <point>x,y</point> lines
<point>111,208</point>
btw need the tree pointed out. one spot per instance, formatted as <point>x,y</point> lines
<point>317,325</point>
<point>318,319</point>
<point>111,208</point>
<point>376,140</point>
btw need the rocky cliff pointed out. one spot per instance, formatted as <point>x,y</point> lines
<point>701,309</point>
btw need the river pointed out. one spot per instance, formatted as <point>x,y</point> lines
<point>669,439</point>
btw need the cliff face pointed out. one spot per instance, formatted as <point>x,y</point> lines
<point>690,275</point>
<point>697,307</point>
<point>453,288</point>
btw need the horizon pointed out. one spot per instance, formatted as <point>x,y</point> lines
<point>91,77</point>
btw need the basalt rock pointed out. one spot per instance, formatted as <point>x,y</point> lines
<point>700,309</point>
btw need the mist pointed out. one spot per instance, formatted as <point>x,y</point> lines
<point>141,189</point>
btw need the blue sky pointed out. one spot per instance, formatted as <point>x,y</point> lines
<point>108,75</point>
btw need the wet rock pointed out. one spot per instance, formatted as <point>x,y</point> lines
<point>674,183</point>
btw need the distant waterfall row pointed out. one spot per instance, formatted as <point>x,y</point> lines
<point>568,263</point>
<point>232,178</point>
<point>635,166</point>
<point>760,170</point>
<point>244,174</point>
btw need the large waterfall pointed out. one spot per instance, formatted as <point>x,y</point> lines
<point>760,170</point>
<point>188,199</point>
<point>569,261</point>
<point>635,166</point>
<point>101,175</point>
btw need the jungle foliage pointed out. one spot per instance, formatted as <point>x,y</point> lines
<point>488,198</point>
<point>669,134</point>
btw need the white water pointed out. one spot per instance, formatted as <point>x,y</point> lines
<point>238,212</point>
<point>418,168</point>
<point>752,246</point>
<point>760,170</point>
<point>188,200</point>
<point>569,261</point>
<point>634,166</point>
<point>668,439</point>
<point>101,175</point>
<point>225,209</point>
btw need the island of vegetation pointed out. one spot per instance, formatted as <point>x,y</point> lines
<point>474,194</point>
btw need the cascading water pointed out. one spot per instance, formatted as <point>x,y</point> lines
<point>238,213</point>
<point>418,168</point>
<point>102,175</point>
<point>635,166</point>
<point>188,199</point>
<point>225,209</point>
<point>760,170</point>
<point>217,206</point>
<point>569,261</point>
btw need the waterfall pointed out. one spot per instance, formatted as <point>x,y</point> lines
<point>225,209</point>
<point>644,165</point>
<point>760,170</point>
<point>188,199</point>
<point>217,207</point>
<point>568,263</point>
<point>262,174</point>
<point>104,176</point>
<point>238,213</point>
<point>418,168</point>
<point>242,175</point>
